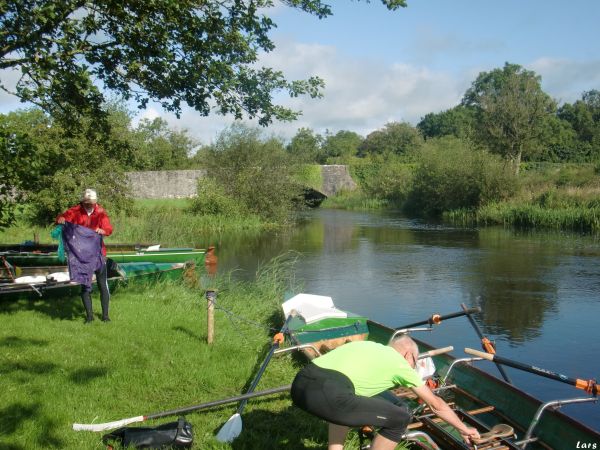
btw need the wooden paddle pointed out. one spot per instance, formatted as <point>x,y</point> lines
<point>233,427</point>
<point>485,343</point>
<point>589,386</point>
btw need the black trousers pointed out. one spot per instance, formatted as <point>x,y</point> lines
<point>86,297</point>
<point>330,395</point>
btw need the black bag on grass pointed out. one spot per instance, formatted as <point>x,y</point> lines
<point>169,435</point>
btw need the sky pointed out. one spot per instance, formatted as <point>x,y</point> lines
<point>382,66</point>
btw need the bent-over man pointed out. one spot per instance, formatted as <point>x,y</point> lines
<point>341,387</point>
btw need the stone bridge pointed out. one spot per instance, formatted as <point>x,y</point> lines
<point>182,183</point>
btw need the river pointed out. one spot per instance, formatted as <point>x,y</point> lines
<point>539,291</point>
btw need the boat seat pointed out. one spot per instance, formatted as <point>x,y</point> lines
<point>312,307</point>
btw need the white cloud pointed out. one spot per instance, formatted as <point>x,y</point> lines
<point>360,94</point>
<point>565,79</point>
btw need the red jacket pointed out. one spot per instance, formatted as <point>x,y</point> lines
<point>98,219</point>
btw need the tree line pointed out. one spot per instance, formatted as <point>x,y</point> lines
<point>504,112</point>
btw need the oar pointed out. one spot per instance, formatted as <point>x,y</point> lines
<point>435,319</point>
<point>123,422</point>
<point>485,343</point>
<point>233,427</point>
<point>589,386</point>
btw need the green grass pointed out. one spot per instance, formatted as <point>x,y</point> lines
<point>152,357</point>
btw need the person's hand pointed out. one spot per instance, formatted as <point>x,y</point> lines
<point>100,231</point>
<point>60,220</point>
<point>469,433</point>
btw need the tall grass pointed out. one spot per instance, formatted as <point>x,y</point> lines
<point>355,200</point>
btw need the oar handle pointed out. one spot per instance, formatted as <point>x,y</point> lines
<point>483,355</point>
<point>434,352</point>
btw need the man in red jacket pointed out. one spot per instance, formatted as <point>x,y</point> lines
<point>90,214</point>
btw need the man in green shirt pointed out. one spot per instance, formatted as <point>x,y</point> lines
<point>341,387</point>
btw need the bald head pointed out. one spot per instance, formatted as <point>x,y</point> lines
<point>404,345</point>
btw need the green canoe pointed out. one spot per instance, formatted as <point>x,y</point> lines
<point>27,259</point>
<point>119,274</point>
<point>480,399</point>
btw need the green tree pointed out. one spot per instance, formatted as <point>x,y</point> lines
<point>305,146</point>
<point>396,138</point>
<point>157,147</point>
<point>457,121</point>
<point>49,165</point>
<point>255,172</point>
<point>511,110</point>
<point>340,147</point>
<point>453,174</point>
<point>196,52</point>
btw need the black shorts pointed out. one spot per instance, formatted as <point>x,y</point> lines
<point>330,395</point>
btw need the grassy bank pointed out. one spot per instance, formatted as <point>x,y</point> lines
<point>152,357</point>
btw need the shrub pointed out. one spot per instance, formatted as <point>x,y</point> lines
<point>212,199</point>
<point>453,174</point>
<point>255,172</point>
<point>384,178</point>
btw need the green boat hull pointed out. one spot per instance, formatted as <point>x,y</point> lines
<point>28,259</point>
<point>475,389</point>
<point>125,274</point>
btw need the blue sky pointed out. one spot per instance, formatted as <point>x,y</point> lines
<point>382,66</point>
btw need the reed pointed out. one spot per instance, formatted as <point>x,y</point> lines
<point>355,200</point>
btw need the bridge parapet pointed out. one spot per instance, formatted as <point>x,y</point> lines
<point>182,183</point>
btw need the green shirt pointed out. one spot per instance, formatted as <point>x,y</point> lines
<point>372,367</point>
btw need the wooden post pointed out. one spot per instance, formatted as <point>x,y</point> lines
<point>210,263</point>
<point>210,322</point>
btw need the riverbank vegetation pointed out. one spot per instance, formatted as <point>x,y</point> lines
<point>507,154</point>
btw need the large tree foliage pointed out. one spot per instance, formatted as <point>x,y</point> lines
<point>252,172</point>
<point>396,138</point>
<point>196,52</point>
<point>584,118</point>
<point>305,146</point>
<point>47,166</point>
<point>457,121</point>
<point>338,148</point>
<point>511,110</point>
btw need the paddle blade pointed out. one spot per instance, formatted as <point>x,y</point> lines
<point>231,429</point>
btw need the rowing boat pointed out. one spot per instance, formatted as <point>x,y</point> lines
<point>54,285</point>
<point>479,399</point>
<point>150,254</point>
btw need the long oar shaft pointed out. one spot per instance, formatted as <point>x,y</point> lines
<point>276,341</point>
<point>436,318</point>
<point>485,343</point>
<point>244,397</point>
<point>172,412</point>
<point>587,385</point>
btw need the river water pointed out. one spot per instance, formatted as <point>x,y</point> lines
<point>539,291</point>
